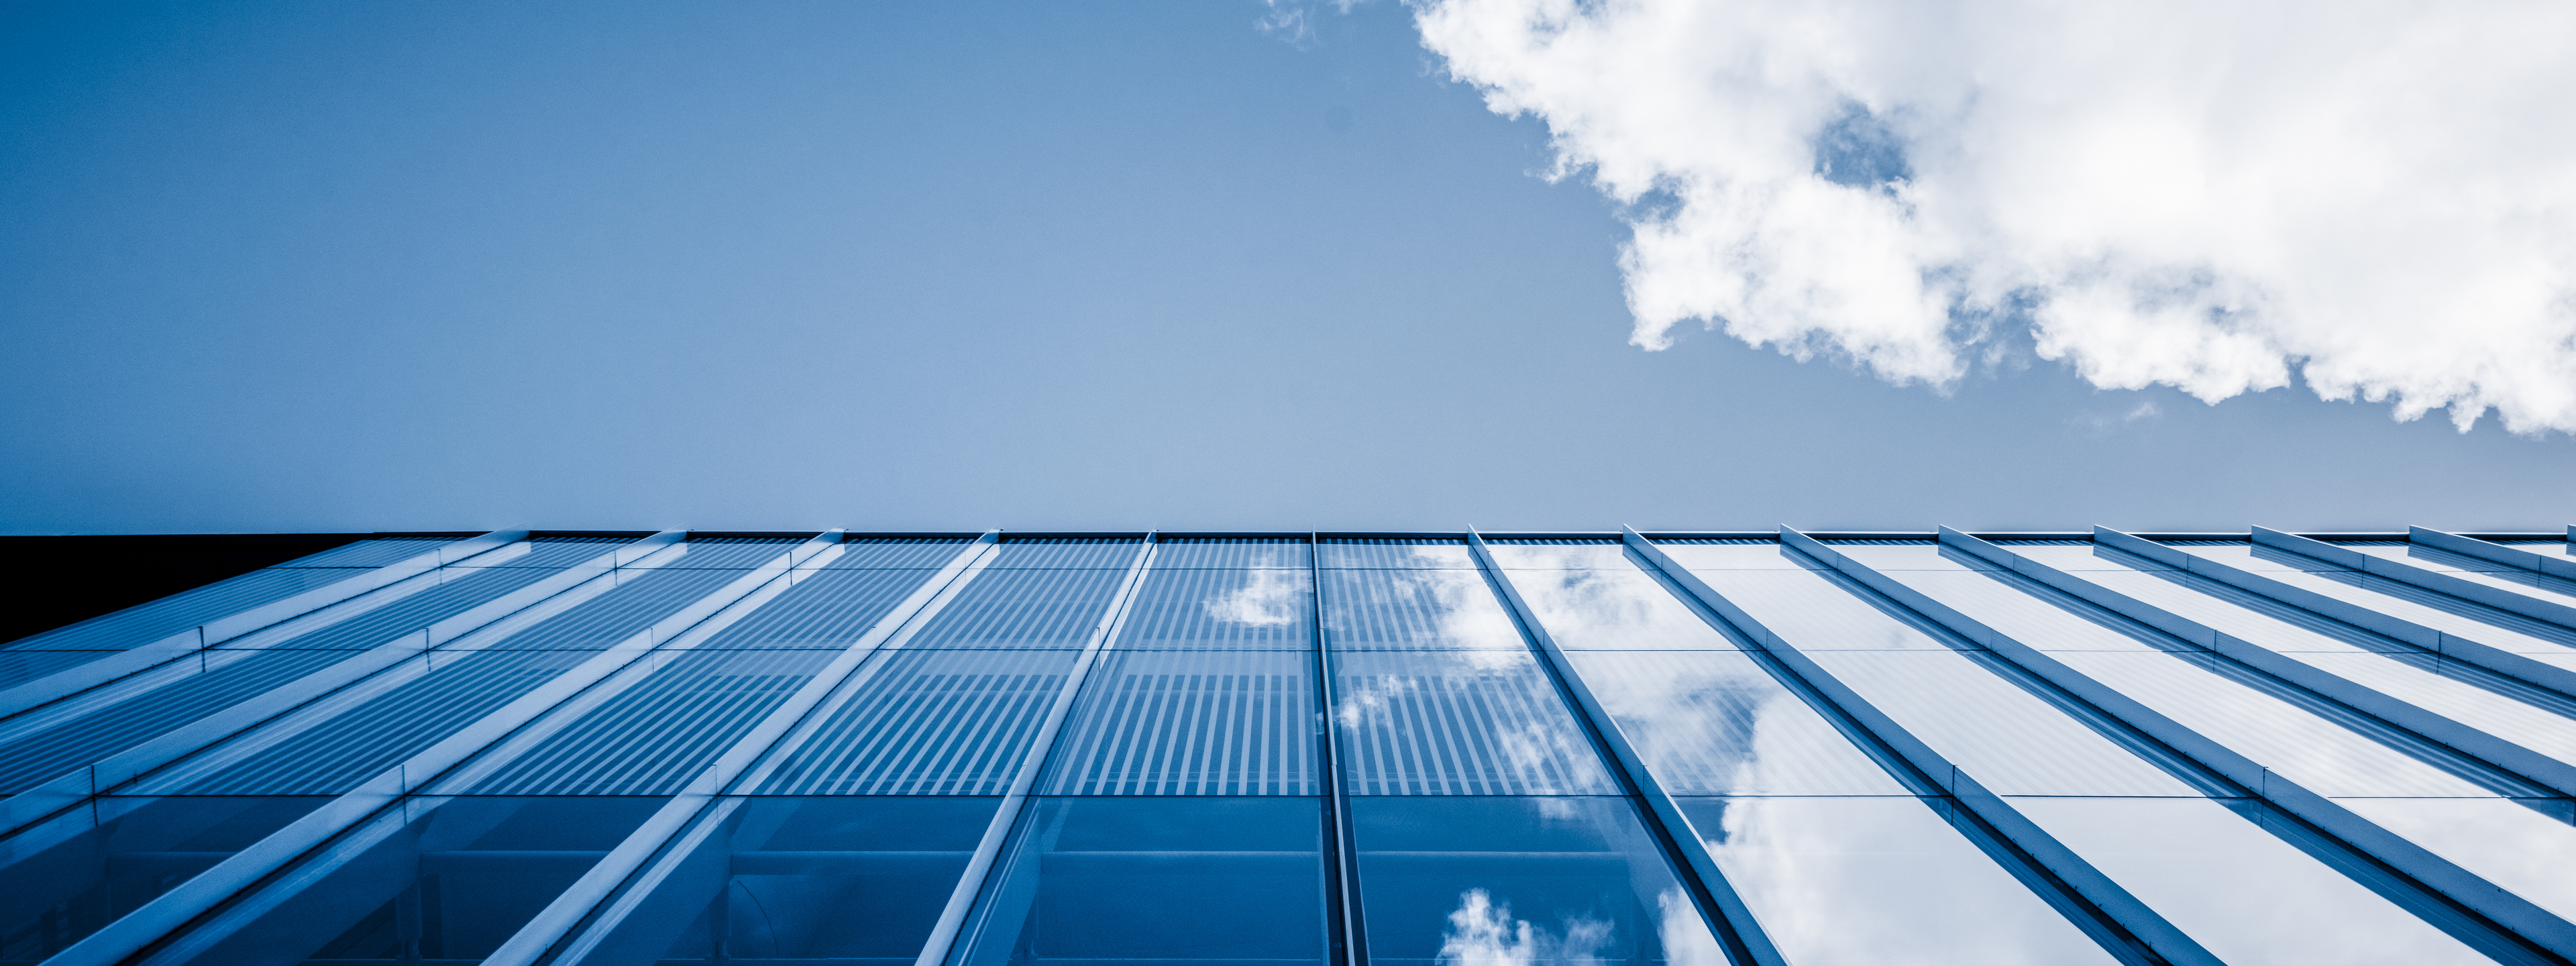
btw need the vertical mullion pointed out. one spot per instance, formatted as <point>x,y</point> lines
<point>1349,932</point>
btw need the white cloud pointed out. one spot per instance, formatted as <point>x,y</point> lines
<point>2378,198</point>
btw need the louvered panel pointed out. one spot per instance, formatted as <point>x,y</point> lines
<point>144,623</point>
<point>370,553</point>
<point>1448,553</point>
<point>902,553</point>
<point>824,611</point>
<point>20,667</point>
<point>1192,723</point>
<point>930,723</point>
<point>737,552</point>
<point>383,624</point>
<point>1023,609</point>
<point>1059,552</point>
<point>1254,609</point>
<point>1411,609</point>
<point>1461,723</point>
<point>638,600</point>
<point>1174,553</point>
<point>655,737</point>
<point>85,740</point>
<point>333,757</point>
<point>552,551</point>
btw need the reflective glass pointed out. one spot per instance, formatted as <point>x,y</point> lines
<point>436,879</point>
<point>1716,723</point>
<point>1459,723</point>
<point>1562,554</point>
<point>2479,570</point>
<point>1623,609</point>
<point>641,597</point>
<point>826,610</point>
<point>2450,615</point>
<point>1177,553</point>
<point>651,738</point>
<point>1167,880</point>
<point>2242,893</point>
<point>457,590</point>
<point>1068,552</point>
<point>64,880</point>
<point>1520,880</point>
<point>1192,723</point>
<point>1379,610</point>
<point>371,553</point>
<point>43,746</point>
<point>552,552</point>
<point>928,723</point>
<point>1878,880</point>
<point>839,880</point>
<point>2033,614</point>
<point>2522,849</point>
<point>1027,608</point>
<point>1264,609</point>
<point>1395,553</point>
<point>737,553</point>
<point>1816,612</point>
<point>144,623</point>
<point>901,553</point>
<point>1912,556</point>
<point>1736,555</point>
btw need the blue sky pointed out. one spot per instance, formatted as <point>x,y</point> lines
<point>377,266</point>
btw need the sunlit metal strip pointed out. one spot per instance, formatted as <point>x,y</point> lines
<point>2425,578</point>
<point>698,810</point>
<point>2510,757</point>
<point>194,641</point>
<point>1725,912</point>
<point>1350,927</point>
<point>204,905</point>
<point>20,812</point>
<point>972,885</point>
<point>2490,914</point>
<point>2560,566</point>
<point>2125,926</point>
<point>2445,643</point>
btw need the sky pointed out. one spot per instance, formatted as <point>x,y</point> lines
<point>1215,265</point>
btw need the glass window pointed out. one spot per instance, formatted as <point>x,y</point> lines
<point>1716,723</point>
<point>68,878</point>
<point>1620,608</point>
<point>1518,880</point>
<point>1383,610</point>
<point>1192,723</point>
<point>1459,723</point>
<point>1185,880</point>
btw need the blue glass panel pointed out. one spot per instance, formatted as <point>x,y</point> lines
<point>2242,893</point>
<point>55,745</point>
<point>461,589</point>
<point>1439,553</point>
<point>370,553</point>
<point>2502,576</point>
<point>1519,880</point>
<point>2524,850</point>
<point>1023,609</point>
<point>1171,880</point>
<point>1622,609</point>
<point>640,598</point>
<point>1260,609</point>
<point>1737,555</point>
<point>929,723</point>
<point>332,755</point>
<point>1716,723</point>
<point>2442,612</point>
<point>828,610</point>
<point>1175,553</point>
<point>144,623</point>
<point>740,553</point>
<point>1562,554</point>
<point>1459,723</point>
<point>819,880</point>
<point>20,667</point>
<point>1378,610</point>
<point>653,738</point>
<point>1192,723</point>
<point>902,553</point>
<point>1115,553</point>
<point>548,552</point>
<point>52,894</point>
<point>1878,880</point>
<point>443,880</point>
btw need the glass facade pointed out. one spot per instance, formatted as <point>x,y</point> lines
<point>1453,748</point>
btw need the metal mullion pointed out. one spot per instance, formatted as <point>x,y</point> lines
<point>1348,933</point>
<point>2560,566</point>
<point>982,866</point>
<point>2506,755</point>
<point>2559,615</point>
<point>2496,915</point>
<point>1728,918</point>
<point>691,812</point>
<point>205,909</point>
<point>2125,926</point>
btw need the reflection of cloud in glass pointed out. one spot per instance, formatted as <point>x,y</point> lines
<point>1685,935</point>
<point>1460,723</point>
<point>1405,609</point>
<point>1613,609</point>
<point>1268,598</point>
<point>1878,880</point>
<point>1482,933</point>
<point>1715,723</point>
